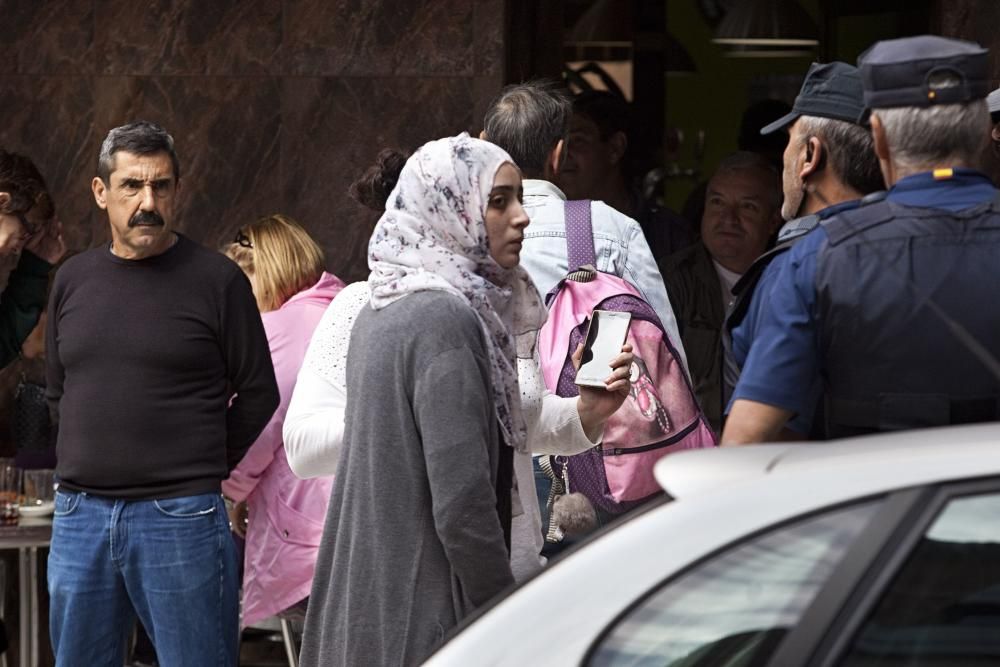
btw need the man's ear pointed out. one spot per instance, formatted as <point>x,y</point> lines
<point>4,200</point>
<point>618,144</point>
<point>814,158</point>
<point>100,191</point>
<point>482,135</point>
<point>878,137</point>
<point>881,145</point>
<point>995,132</point>
<point>555,160</point>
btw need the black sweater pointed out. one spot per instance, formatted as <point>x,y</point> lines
<point>143,357</point>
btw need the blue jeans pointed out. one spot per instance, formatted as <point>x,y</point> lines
<point>171,562</point>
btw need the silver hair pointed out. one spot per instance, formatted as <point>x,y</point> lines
<point>850,151</point>
<point>527,120</point>
<point>141,138</point>
<point>924,137</point>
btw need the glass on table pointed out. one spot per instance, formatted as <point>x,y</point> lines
<point>39,487</point>
<point>10,491</point>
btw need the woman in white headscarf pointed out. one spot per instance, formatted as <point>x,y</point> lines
<point>418,530</point>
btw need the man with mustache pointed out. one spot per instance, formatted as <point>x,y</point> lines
<point>160,377</point>
<point>742,213</point>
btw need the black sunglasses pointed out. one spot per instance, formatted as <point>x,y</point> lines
<point>243,239</point>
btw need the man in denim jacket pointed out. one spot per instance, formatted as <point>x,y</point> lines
<point>530,121</point>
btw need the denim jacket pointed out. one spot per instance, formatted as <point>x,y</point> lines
<point>619,244</point>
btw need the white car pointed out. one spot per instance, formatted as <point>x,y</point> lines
<point>883,550</point>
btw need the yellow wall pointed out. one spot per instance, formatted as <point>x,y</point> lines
<point>713,99</point>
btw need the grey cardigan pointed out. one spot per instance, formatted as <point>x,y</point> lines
<point>412,541</point>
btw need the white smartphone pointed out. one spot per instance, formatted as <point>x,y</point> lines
<point>605,338</point>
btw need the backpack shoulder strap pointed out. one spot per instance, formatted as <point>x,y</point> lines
<point>873,211</point>
<point>579,235</point>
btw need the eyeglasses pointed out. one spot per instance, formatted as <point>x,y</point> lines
<point>243,239</point>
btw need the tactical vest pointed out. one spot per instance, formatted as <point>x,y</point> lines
<point>908,311</point>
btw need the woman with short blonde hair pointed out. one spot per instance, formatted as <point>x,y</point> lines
<point>284,514</point>
<point>279,255</point>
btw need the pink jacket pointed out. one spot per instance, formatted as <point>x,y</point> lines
<point>286,514</point>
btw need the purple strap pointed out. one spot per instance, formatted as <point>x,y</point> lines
<point>579,235</point>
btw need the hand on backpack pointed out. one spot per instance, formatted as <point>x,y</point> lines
<point>596,405</point>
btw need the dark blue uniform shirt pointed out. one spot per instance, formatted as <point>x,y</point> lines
<point>784,362</point>
<point>743,336</point>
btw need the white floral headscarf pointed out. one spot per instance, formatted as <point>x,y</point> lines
<point>432,236</point>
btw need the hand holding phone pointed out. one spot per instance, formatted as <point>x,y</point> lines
<point>605,338</point>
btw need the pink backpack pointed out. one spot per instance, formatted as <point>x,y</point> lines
<point>661,414</point>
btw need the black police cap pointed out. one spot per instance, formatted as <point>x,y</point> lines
<point>830,90</point>
<point>900,72</point>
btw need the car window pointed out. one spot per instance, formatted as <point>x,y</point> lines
<point>734,609</point>
<point>943,607</point>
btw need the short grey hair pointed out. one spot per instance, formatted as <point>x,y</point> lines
<point>750,161</point>
<point>850,151</point>
<point>527,120</point>
<point>923,137</point>
<point>140,138</point>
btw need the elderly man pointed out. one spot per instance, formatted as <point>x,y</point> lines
<point>28,228</point>
<point>829,165</point>
<point>890,303</point>
<point>742,213</point>
<point>159,373</point>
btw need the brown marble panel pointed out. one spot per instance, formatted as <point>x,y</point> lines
<point>380,37</point>
<point>223,37</point>
<point>485,89</point>
<point>334,128</point>
<point>50,119</point>
<point>226,131</point>
<point>488,35</point>
<point>975,20</point>
<point>52,37</point>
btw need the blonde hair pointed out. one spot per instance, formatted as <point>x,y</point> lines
<point>282,259</point>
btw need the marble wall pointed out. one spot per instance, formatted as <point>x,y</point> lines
<point>972,19</point>
<point>275,105</point>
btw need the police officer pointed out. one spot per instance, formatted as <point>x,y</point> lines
<point>892,303</point>
<point>829,164</point>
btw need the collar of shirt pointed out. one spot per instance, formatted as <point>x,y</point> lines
<point>834,209</point>
<point>535,187</point>
<point>802,226</point>
<point>949,189</point>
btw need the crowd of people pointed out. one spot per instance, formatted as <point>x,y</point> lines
<point>384,448</point>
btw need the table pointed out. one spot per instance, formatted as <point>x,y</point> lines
<point>27,537</point>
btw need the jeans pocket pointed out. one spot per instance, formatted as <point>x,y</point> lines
<point>66,502</point>
<point>187,507</point>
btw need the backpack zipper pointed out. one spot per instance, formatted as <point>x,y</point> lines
<point>618,451</point>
